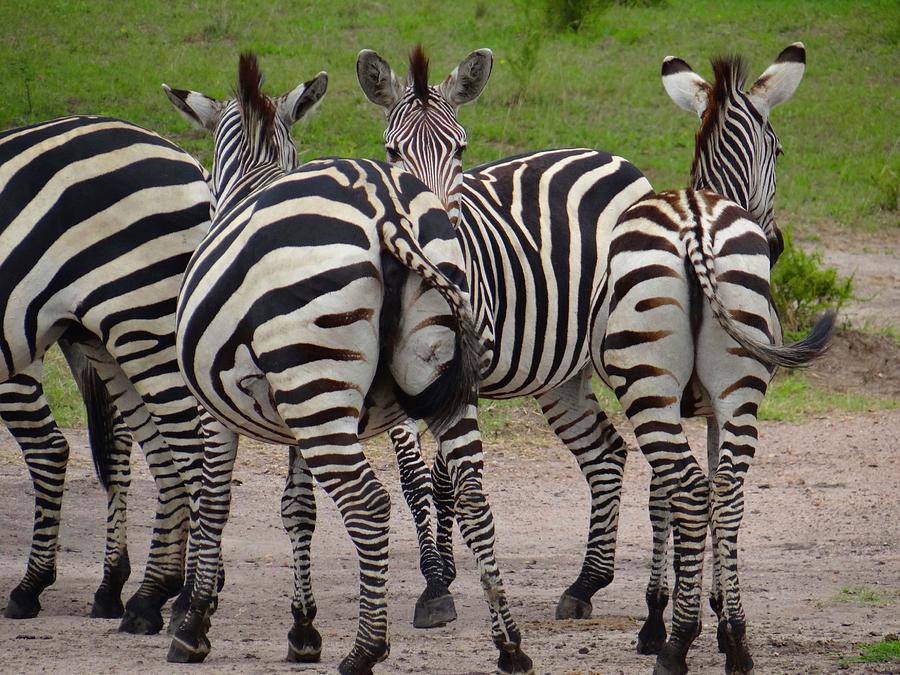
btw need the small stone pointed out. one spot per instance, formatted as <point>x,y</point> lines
<point>583,650</point>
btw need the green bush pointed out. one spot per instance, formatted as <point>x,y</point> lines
<point>801,287</point>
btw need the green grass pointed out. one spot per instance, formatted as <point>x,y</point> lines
<point>792,397</point>
<point>884,651</point>
<point>598,86</point>
<point>61,392</point>
<point>864,595</point>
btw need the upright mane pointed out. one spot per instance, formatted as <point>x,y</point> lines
<point>418,73</point>
<point>257,110</point>
<point>729,73</point>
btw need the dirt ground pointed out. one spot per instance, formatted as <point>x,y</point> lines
<point>821,517</point>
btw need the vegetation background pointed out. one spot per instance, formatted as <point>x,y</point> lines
<point>566,73</point>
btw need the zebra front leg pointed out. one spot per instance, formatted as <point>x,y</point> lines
<point>652,635</point>
<point>298,513</point>
<point>435,606</point>
<point>575,416</point>
<point>461,447</point>
<point>24,410</point>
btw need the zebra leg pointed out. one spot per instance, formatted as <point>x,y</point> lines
<point>461,447</point>
<point>24,410</point>
<point>652,635</point>
<point>738,444</point>
<point>190,643</point>
<point>298,513</point>
<point>116,564</point>
<point>435,606</point>
<point>216,435</point>
<point>445,515</point>
<point>110,443</point>
<point>575,416</point>
<point>163,576</point>
<point>715,595</point>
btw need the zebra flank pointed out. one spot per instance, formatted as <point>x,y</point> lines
<point>98,218</point>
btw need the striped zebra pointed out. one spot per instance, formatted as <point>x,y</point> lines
<point>98,221</point>
<point>323,299</point>
<point>685,326</point>
<point>534,230</point>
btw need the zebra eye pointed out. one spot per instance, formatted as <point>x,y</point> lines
<point>459,152</point>
<point>393,155</point>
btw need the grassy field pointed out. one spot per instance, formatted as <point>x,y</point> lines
<point>597,87</point>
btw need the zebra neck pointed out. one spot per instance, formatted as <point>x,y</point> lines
<point>248,184</point>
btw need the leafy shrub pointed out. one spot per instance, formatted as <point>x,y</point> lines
<point>801,287</point>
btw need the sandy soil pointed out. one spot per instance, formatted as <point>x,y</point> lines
<point>821,516</point>
<point>822,502</point>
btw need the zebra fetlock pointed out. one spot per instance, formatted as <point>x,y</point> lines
<point>108,598</point>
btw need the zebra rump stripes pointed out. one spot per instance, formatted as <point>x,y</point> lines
<point>685,326</point>
<point>98,220</point>
<point>282,327</point>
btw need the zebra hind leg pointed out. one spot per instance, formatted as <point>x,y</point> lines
<point>298,513</point>
<point>24,410</point>
<point>462,450</point>
<point>116,563</point>
<point>445,515</point>
<point>435,606</point>
<point>575,416</point>
<point>652,635</point>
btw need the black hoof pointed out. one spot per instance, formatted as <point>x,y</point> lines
<point>188,651</point>
<point>651,637</point>
<point>107,606</point>
<point>304,644</point>
<point>358,662</point>
<point>432,612</point>
<point>22,605</point>
<point>671,659</point>
<point>513,660</point>
<point>142,617</point>
<point>737,654</point>
<point>570,607</point>
<point>722,637</point>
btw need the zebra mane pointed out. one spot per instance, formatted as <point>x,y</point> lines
<point>418,73</point>
<point>729,75</point>
<point>257,110</point>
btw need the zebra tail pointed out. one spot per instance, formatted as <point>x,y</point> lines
<point>444,401</point>
<point>100,411</point>
<point>795,355</point>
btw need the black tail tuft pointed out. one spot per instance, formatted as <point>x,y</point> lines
<point>101,414</point>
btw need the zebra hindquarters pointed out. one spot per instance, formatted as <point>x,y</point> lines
<point>645,351</point>
<point>735,383</point>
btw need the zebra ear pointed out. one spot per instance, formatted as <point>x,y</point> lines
<point>781,79</point>
<point>468,79</point>
<point>378,81</point>
<point>684,86</point>
<point>304,99</point>
<point>198,109</point>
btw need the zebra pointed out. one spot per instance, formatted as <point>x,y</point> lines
<point>534,229</point>
<point>684,325</point>
<point>99,219</point>
<point>316,307</point>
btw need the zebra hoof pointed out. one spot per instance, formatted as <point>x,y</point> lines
<point>22,605</point>
<point>570,607</point>
<point>514,660</point>
<point>141,618</point>
<point>358,662</point>
<point>188,651</point>
<point>434,608</point>
<point>722,637</point>
<point>651,637</point>
<point>671,659</point>
<point>107,606</point>
<point>737,653</point>
<point>304,643</point>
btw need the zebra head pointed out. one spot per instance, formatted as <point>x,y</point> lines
<point>423,133</point>
<point>736,147</point>
<point>252,131</point>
